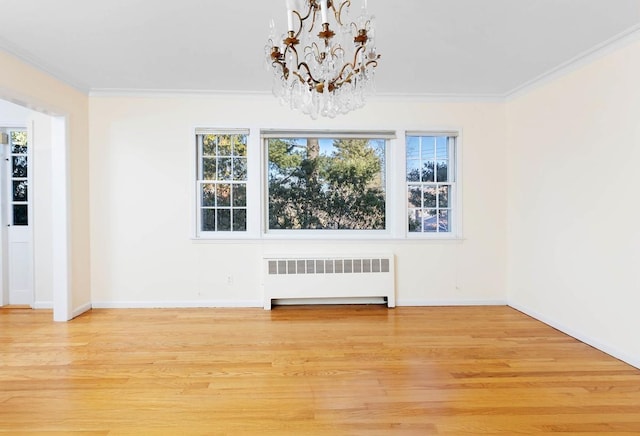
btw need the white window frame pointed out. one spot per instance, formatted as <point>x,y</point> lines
<point>386,233</point>
<point>231,234</point>
<point>455,195</point>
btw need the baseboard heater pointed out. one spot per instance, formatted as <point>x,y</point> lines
<point>328,277</point>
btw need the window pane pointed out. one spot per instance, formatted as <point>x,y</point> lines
<point>224,220</point>
<point>323,183</point>
<point>442,150</point>
<point>429,221</point>
<point>20,215</point>
<point>415,218</point>
<point>208,194</point>
<point>443,196</point>
<point>224,145</point>
<point>224,169</point>
<point>428,147</point>
<point>427,171</point>
<point>223,195</point>
<point>19,142</point>
<point>239,220</point>
<point>209,168</point>
<point>20,190</point>
<point>209,145</point>
<point>239,169</point>
<point>429,196</point>
<point>443,221</point>
<point>240,195</point>
<point>413,170</point>
<point>208,220</point>
<point>239,145</point>
<point>415,197</point>
<point>443,171</point>
<point>413,147</point>
<point>19,166</point>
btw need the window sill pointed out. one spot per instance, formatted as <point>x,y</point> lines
<point>294,239</point>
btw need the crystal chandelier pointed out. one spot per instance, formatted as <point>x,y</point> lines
<point>320,67</point>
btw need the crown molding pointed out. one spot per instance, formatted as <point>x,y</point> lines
<point>163,93</point>
<point>168,93</point>
<point>596,52</point>
<point>439,98</point>
<point>34,62</point>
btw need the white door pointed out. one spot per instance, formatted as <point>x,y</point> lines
<point>17,247</point>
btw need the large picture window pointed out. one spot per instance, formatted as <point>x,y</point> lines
<point>326,183</point>
<point>430,182</point>
<point>222,181</point>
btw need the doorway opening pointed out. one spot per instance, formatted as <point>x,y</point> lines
<point>17,217</point>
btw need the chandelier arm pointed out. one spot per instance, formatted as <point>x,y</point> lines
<point>338,13</point>
<point>302,80</point>
<point>295,52</point>
<point>372,62</point>
<point>310,79</point>
<point>336,49</point>
<point>348,64</point>
<point>311,7</point>
<point>364,26</point>
<point>301,22</point>
<point>285,70</point>
<point>335,84</point>
<point>338,82</point>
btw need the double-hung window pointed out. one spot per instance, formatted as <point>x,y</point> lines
<point>431,182</point>
<point>221,181</point>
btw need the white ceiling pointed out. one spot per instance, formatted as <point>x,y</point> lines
<point>445,47</point>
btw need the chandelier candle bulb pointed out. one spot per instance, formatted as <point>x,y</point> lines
<point>290,20</point>
<point>323,11</point>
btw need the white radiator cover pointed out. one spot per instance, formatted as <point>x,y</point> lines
<point>319,277</point>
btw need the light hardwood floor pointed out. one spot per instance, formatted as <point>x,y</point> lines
<point>335,370</point>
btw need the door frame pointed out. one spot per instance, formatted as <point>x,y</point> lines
<point>60,192</point>
<point>60,196</point>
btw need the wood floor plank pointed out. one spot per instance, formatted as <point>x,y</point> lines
<point>307,370</point>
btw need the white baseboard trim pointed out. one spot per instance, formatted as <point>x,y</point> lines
<point>175,304</point>
<point>408,302</point>
<point>627,358</point>
<point>43,305</point>
<point>259,303</point>
<point>80,310</point>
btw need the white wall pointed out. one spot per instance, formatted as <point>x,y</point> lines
<point>39,126</point>
<point>573,214</point>
<point>142,173</point>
